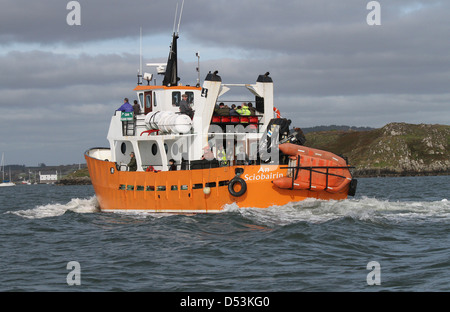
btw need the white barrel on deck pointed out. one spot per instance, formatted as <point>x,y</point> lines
<point>168,122</point>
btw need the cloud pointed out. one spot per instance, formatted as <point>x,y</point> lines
<point>45,21</point>
<point>47,70</point>
<point>53,104</point>
<point>61,83</point>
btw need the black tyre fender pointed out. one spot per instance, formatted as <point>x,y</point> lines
<point>352,188</point>
<point>241,191</point>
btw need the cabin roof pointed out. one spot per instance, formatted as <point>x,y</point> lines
<point>145,88</point>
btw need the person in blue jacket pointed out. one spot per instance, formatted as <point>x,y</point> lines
<point>126,107</point>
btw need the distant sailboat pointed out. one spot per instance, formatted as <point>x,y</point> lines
<point>5,182</point>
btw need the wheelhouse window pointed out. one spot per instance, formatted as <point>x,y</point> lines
<point>141,99</point>
<point>190,95</point>
<point>176,98</point>
<point>148,101</point>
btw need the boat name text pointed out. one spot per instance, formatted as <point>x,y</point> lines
<point>262,176</point>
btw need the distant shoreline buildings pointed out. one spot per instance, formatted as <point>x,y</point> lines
<point>48,178</point>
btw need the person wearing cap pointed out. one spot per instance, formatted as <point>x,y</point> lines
<point>223,110</point>
<point>185,108</point>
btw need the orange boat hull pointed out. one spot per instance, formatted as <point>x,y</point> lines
<point>184,191</point>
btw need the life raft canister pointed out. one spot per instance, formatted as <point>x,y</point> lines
<point>232,183</point>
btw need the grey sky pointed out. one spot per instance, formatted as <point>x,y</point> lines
<point>60,83</point>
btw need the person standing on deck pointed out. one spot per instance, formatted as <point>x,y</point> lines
<point>132,165</point>
<point>251,109</point>
<point>136,108</point>
<point>233,111</point>
<point>126,107</point>
<point>185,108</point>
<point>222,156</point>
<point>243,111</point>
<point>172,165</point>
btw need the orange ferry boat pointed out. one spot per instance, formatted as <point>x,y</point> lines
<point>251,160</point>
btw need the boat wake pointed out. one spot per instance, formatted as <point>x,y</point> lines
<point>362,209</point>
<point>76,205</point>
<point>310,211</point>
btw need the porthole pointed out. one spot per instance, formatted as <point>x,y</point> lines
<point>175,149</point>
<point>123,148</point>
<point>154,149</point>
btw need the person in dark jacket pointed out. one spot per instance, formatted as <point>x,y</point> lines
<point>251,109</point>
<point>132,165</point>
<point>172,166</point>
<point>136,108</point>
<point>185,108</point>
<point>233,111</point>
<point>223,110</point>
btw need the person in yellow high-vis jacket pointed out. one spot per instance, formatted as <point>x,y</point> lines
<point>244,110</point>
<point>222,156</point>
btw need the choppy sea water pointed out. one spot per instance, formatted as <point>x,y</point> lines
<point>400,224</point>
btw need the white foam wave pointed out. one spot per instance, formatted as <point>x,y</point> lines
<point>309,210</point>
<point>364,209</point>
<point>53,210</point>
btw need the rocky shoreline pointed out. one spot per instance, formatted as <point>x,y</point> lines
<point>386,172</point>
<point>75,181</point>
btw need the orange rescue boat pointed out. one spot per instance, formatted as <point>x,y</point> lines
<point>314,170</point>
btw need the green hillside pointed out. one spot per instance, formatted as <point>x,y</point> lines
<point>395,149</point>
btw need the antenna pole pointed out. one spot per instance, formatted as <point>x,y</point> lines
<point>175,19</point>
<point>181,13</point>
<point>139,74</point>
<point>140,50</point>
<point>198,68</point>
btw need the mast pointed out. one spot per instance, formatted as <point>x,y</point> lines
<point>171,76</point>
